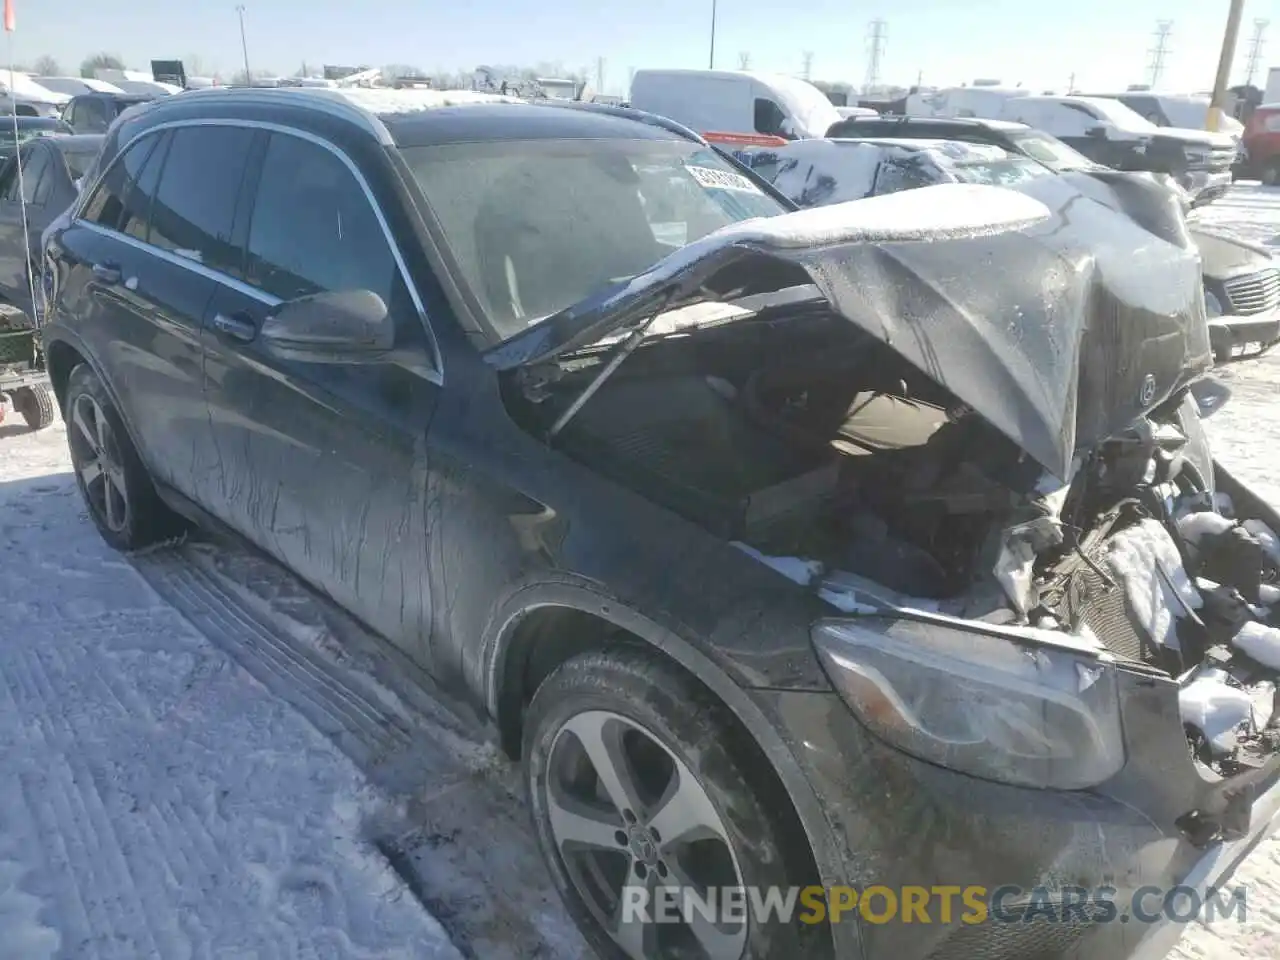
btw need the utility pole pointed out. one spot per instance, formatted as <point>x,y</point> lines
<point>1071,84</point>
<point>1160,50</point>
<point>919,78</point>
<point>808,64</point>
<point>1255,50</point>
<point>711,61</point>
<point>877,33</point>
<point>244,46</point>
<point>744,60</point>
<point>599,74</point>
<point>1229,38</point>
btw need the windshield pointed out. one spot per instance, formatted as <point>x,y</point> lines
<point>1051,151</point>
<point>536,226</point>
<point>1119,114</point>
<point>999,173</point>
<point>1191,113</point>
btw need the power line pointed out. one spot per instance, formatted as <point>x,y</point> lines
<point>1160,51</point>
<point>808,64</point>
<point>877,34</point>
<point>1255,50</point>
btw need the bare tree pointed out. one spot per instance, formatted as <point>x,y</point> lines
<point>193,65</point>
<point>100,61</point>
<point>46,66</point>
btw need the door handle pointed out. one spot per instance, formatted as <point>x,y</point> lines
<point>107,272</point>
<point>237,327</point>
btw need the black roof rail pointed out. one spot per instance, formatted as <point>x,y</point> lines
<point>626,113</point>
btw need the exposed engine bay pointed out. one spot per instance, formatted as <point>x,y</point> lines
<point>821,453</point>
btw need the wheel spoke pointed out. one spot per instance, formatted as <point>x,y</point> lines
<point>718,943</point>
<point>90,435</point>
<point>104,431</point>
<point>635,932</point>
<point>601,737</point>
<point>575,823</point>
<point>685,813</point>
<point>115,520</point>
<point>91,471</point>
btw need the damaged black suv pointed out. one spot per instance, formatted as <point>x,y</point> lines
<point>865,545</point>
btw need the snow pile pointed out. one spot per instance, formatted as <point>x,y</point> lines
<point>1215,708</point>
<point>1260,642</point>
<point>1147,561</point>
<point>385,102</point>
<point>795,569</point>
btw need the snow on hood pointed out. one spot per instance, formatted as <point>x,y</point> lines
<point>1203,137</point>
<point>1057,318</point>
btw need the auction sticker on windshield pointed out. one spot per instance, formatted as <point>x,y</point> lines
<point>714,179</point>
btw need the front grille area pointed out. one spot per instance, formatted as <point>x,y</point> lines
<point>1255,293</point>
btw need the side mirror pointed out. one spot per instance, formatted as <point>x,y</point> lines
<point>344,326</point>
<point>1210,396</point>
<point>1208,195</point>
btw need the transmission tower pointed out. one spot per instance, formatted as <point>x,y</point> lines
<point>1255,50</point>
<point>877,34</point>
<point>808,64</point>
<point>744,60</point>
<point>1160,51</point>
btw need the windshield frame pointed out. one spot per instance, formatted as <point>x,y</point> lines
<point>1122,115</point>
<point>460,286</point>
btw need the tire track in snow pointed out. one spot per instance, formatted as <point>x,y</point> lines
<point>463,843</point>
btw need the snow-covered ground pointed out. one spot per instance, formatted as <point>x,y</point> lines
<point>202,759</point>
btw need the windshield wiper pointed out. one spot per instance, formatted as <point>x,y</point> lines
<point>620,354</point>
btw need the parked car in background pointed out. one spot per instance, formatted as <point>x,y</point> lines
<point>1241,280</point>
<point>27,128</point>
<point>92,113</point>
<point>52,168</point>
<point>735,102</point>
<point>1110,133</point>
<point>1183,111</point>
<point>75,85</point>
<point>1014,137</point>
<point>1262,144</point>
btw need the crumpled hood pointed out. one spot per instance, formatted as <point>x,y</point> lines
<point>1055,317</point>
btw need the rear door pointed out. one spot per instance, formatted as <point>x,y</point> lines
<point>323,463</point>
<point>140,268</point>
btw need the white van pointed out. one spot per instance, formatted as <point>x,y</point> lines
<point>984,103</point>
<point>735,102</point>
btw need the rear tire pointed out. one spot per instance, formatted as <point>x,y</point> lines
<point>36,404</point>
<point>116,487</point>
<point>679,757</point>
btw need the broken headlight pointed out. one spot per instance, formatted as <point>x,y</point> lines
<point>978,703</point>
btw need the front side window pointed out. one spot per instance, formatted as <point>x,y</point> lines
<point>314,229</point>
<point>116,205</point>
<point>195,201</point>
<point>93,117</point>
<point>769,118</point>
<point>535,226</point>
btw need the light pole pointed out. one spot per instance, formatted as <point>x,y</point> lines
<point>1234,13</point>
<point>244,47</point>
<point>711,63</point>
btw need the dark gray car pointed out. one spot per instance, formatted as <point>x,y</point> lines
<point>52,168</point>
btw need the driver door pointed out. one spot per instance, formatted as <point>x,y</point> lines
<point>322,464</point>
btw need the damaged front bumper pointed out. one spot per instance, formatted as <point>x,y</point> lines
<point>891,821</point>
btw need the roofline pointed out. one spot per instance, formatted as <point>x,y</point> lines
<point>327,99</point>
<point>625,113</point>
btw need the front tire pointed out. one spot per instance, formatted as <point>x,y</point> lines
<point>116,487</point>
<point>640,781</point>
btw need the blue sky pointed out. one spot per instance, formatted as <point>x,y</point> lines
<point>1038,42</point>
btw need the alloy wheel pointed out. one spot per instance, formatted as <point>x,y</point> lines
<point>632,824</point>
<point>96,458</point>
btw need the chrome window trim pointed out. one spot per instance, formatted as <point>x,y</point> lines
<point>239,285</point>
